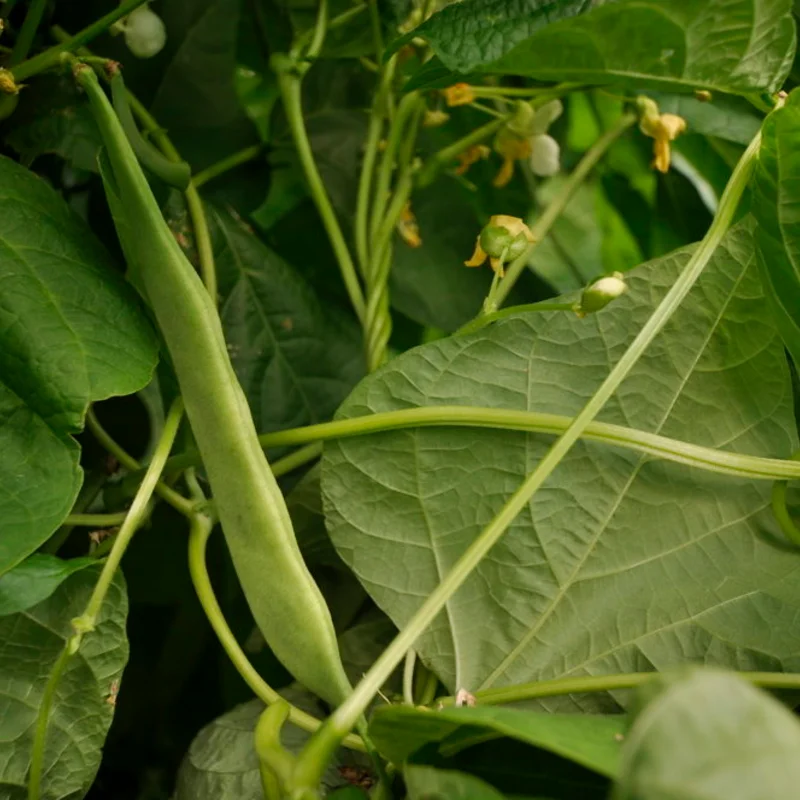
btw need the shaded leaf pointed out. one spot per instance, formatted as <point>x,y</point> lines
<point>71,332</point>
<point>295,358</point>
<point>590,740</point>
<point>426,783</point>
<point>680,546</point>
<point>711,736</point>
<point>196,99</point>
<point>775,200</point>
<point>35,579</point>
<point>81,713</point>
<point>731,45</point>
<point>222,764</point>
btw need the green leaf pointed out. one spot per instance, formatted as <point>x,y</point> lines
<point>54,117</point>
<point>71,332</point>
<point>81,713</point>
<point>222,764</point>
<point>589,740</point>
<point>775,198</point>
<point>734,46</point>
<point>620,563</point>
<point>196,99</point>
<point>711,736</point>
<point>35,579</point>
<point>295,358</point>
<point>426,783</point>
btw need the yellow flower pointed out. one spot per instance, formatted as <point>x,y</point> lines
<point>459,94</point>
<point>7,83</point>
<point>512,148</point>
<point>664,128</point>
<point>407,227</point>
<point>503,239</point>
<point>470,156</point>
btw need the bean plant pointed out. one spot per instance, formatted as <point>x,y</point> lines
<point>397,399</point>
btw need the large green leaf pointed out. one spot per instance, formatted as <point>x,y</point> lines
<point>711,736</point>
<point>590,740</point>
<point>71,332</point>
<point>295,358</point>
<point>83,704</point>
<point>619,563</point>
<point>775,202</point>
<point>732,45</point>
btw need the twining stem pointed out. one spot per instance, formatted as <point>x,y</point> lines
<point>290,86</point>
<point>136,514</point>
<point>605,683</point>
<point>96,520</point>
<point>693,455</point>
<point>88,620</point>
<point>176,500</point>
<point>226,164</point>
<point>51,57</point>
<point>408,677</point>
<point>201,526</point>
<point>28,31</point>
<point>320,747</point>
<point>542,226</point>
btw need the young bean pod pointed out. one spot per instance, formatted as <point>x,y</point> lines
<point>286,603</point>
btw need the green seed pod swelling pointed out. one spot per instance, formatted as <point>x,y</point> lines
<point>495,239</point>
<point>286,603</point>
<point>145,34</point>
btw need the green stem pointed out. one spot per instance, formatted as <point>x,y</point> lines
<point>435,162</point>
<point>136,514</point>
<point>92,484</point>
<point>336,22</point>
<point>297,459</point>
<point>398,130</point>
<point>88,620</point>
<point>368,165</point>
<point>42,718</point>
<point>542,226</point>
<point>96,520</point>
<point>226,164</point>
<point>177,501</point>
<point>290,86</point>
<point>692,455</point>
<point>486,319</point>
<point>781,510</point>
<point>605,683</point>
<point>408,677</point>
<point>29,27</point>
<point>201,526</point>
<point>318,751</point>
<point>51,57</point>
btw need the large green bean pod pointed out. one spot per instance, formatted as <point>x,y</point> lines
<point>286,603</point>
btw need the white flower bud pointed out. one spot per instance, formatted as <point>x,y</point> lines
<point>545,156</point>
<point>145,33</point>
<point>600,293</point>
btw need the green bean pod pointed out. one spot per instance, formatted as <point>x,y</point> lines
<point>174,173</point>
<point>286,603</point>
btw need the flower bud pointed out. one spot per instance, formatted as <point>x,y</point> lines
<point>495,239</point>
<point>145,34</point>
<point>600,293</point>
<point>7,83</point>
<point>545,156</point>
